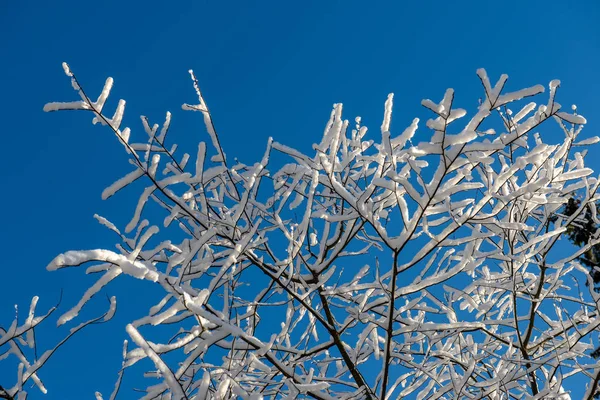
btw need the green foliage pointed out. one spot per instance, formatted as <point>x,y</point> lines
<point>580,233</point>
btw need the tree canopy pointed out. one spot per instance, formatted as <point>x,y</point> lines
<point>418,262</point>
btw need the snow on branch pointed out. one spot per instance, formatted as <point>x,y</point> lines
<point>424,261</point>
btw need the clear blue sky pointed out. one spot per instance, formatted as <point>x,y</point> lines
<point>267,69</point>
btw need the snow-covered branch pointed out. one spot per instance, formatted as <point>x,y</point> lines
<point>423,262</point>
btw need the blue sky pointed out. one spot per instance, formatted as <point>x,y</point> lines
<point>266,69</point>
